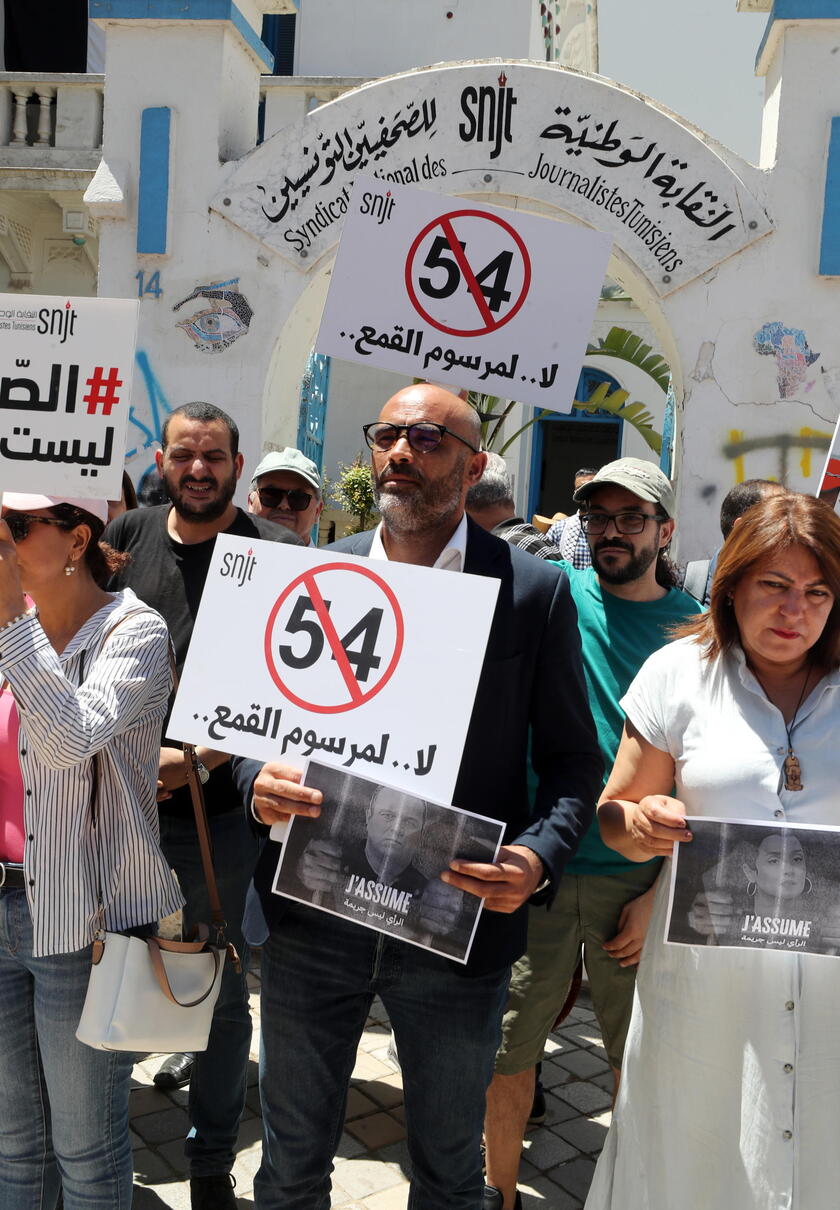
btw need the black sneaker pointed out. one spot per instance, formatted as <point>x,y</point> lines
<point>212,1192</point>
<point>493,1199</point>
<point>538,1107</point>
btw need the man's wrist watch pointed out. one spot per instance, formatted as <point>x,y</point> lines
<point>202,771</point>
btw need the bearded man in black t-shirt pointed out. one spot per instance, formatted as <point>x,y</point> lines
<point>171,547</point>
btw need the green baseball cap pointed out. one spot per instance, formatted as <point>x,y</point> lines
<point>644,479</point>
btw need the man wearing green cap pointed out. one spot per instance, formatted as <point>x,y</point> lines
<point>626,603</point>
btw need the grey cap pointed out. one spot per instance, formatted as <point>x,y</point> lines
<point>644,479</point>
<point>289,459</point>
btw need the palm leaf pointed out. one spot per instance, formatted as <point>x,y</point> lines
<point>626,346</point>
<point>635,414</point>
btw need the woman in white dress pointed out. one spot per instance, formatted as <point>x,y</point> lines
<point>730,1093</point>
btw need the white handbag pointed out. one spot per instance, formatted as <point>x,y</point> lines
<point>147,993</point>
<point>151,994</point>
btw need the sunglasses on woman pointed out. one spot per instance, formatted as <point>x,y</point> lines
<point>19,524</point>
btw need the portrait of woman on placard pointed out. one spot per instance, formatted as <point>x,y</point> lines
<point>762,891</point>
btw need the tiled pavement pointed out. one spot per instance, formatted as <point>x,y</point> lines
<point>371,1166</point>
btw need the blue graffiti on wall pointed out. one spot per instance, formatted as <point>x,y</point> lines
<point>147,481</point>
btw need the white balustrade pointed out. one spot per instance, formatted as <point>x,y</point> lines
<point>40,112</point>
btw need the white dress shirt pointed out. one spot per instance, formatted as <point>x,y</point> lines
<point>451,558</point>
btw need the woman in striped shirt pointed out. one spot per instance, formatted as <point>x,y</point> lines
<point>83,672</point>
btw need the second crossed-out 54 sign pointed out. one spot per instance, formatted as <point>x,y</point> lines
<point>330,648</point>
<point>468,273</point>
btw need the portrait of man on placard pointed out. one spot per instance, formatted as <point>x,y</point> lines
<point>375,854</point>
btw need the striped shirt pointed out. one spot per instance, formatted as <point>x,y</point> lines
<point>116,712</point>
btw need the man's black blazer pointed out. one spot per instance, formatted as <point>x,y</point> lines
<point>531,684</point>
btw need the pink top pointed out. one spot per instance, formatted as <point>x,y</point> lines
<point>11,782</point>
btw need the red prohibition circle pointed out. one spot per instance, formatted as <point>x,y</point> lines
<point>446,219</point>
<point>355,700</point>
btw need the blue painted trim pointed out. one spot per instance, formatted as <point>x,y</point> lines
<point>830,244</point>
<point>153,202</point>
<point>184,10</point>
<point>798,10</point>
<point>668,426</point>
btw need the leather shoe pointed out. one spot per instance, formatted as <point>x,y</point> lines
<point>212,1192</point>
<point>174,1072</point>
<point>539,1108</point>
<point>493,1199</point>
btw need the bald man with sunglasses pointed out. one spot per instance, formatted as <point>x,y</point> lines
<point>319,972</point>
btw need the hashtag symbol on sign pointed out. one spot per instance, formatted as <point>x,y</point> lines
<point>102,390</point>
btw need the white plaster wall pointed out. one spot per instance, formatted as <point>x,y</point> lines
<point>378,37</point>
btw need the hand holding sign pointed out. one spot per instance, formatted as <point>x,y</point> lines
<point>504,884</point>
<point>657,823</point>
<point>278,794</point>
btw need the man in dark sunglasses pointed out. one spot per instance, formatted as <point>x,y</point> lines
<point>286,489</point>
<point>320,973</point>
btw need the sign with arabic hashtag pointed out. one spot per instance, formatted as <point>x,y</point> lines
<point>368,665</point>
<point>65,389</point>
<point>473,297</point>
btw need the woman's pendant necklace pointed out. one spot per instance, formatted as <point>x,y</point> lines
<point>792,768</point>
<point>793,773</point>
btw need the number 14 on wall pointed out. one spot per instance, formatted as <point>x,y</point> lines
<point>148,286</point>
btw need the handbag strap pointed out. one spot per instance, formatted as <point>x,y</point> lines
<point>159,969</point>
<point>199,811</point>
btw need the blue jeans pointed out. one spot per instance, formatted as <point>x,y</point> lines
<point>219,1078</point>
<point>319,976</point>
<point>64,1119</point>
